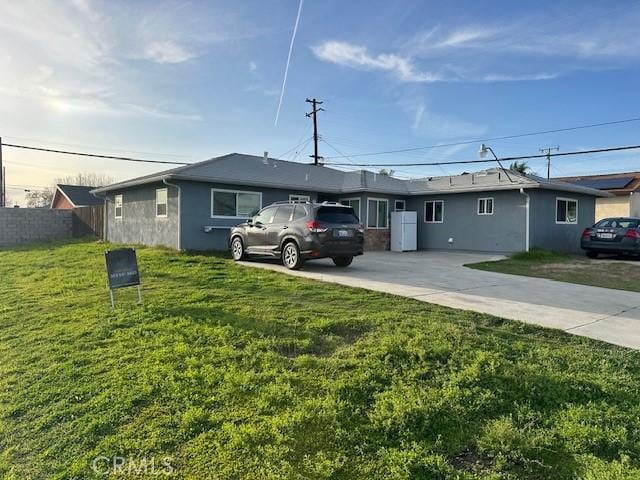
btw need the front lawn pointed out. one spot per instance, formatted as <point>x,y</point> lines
<point>606,272</point>
<point>233,372</point>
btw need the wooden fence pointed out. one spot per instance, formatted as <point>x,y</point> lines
<point>88,221</point>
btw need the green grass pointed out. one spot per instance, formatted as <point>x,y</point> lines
<point>565,268</point>
<point>233,372</point>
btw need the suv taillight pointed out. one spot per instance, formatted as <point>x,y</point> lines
<point>316,227</point>
<point>631,233</point>
<point>587,232</point>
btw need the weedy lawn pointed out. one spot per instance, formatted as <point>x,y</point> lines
<point>232,372</point>
<point>605,272</point>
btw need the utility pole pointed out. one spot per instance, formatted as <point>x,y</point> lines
<point>314,113</point>
<point>547,151</point>
<point>2,179</point>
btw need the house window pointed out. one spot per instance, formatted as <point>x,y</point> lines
<point>353,203</point>
<point>161,202</point>
<point>299,198</point>
<point>230,203</point>
<point>399,205</point>
<point>378,213</point>
<point>485,206</point>
<point>566,211</point>
<point>118,206</point>
<point>434,211</point>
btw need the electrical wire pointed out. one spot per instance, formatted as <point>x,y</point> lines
<point>492,139</point>
<point>136,152</point>
<point>492,160</point>
<point>94,155</point>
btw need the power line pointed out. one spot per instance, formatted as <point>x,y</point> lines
<point>505,159</point>
<point>492,139</point>
<point>137,152</point>
<point>94,155</point>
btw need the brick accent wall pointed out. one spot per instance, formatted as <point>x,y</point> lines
<point>22,225</point>
<point>377,239</point>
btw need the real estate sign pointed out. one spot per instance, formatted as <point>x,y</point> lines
<point>122,270</point>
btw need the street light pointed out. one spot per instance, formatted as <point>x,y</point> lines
<point>482,153</point>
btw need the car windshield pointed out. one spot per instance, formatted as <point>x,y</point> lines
<point>617,223</point>
<point>336,215</point>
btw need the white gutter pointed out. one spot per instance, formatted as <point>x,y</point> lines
<point>527,213</point>
<point>164,180</point>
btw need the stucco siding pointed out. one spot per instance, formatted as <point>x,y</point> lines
<point>504,231</point>
<point>612,207</point>
<point>196,213</point>
<point>634,202</point>
<point>546,233</point>
<point>139,224</point>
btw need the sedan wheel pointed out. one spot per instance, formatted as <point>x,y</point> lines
<point>237,249</point>
<point>291,256</point>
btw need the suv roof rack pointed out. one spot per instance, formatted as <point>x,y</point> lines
<point>286,202</point>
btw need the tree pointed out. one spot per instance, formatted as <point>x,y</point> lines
<point>39,198</point>
<point>386,173</point>
<point>520,167</point>
<point>90,179</point>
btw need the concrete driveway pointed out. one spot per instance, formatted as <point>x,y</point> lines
<point>441,278</point>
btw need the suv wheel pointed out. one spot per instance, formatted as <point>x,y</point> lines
<point>342,261</point>
<point>592,254</point>
<point>291,256</point>
<point>237,249</point>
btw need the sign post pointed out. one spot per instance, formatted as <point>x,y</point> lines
<point>122,271</point>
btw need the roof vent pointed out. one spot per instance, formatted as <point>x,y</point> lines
<point>265,159</point>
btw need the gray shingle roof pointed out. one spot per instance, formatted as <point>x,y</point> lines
<point>80,195</point>
<point>241,169</point>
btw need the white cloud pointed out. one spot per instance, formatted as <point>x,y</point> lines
<point>417,118</point>
<point>80,57</point>
<point>518,78</point>
<point>465,37</point>
<point>253,66</point>
<point>355,56</point>
<point>167,52</point>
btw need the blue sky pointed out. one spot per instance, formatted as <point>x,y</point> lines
<point>200,79</point>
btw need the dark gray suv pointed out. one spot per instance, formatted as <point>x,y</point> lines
<point>299,231</point>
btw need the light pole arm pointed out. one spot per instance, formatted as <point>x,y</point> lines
<point>499,163</point>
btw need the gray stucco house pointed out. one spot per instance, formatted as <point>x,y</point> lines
<point>192,207</point>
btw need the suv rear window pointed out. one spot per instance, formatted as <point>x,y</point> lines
<point>336,215</point>
<point>617,223</point>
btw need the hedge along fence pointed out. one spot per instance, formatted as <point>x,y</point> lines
<point>23,225</point>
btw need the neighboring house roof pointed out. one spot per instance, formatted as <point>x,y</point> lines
<point>619,184</point>
<point>250,170</point>
<point>79,195</point>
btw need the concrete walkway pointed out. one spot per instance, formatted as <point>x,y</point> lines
<point>441,278</point>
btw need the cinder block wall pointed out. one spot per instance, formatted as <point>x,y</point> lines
<point>22,225</point>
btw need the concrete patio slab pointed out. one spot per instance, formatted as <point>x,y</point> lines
<point>441,278</point>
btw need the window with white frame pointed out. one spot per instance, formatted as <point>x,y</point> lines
<point>161,202</point>
<point>231,203</point>
<point>299,198</point>
<point>399,205</point>
<point>485,206</point>
<point>378,213</point>
<point>434,211</point>
<point>118,206</point>
<point>566,211</point>
<point>353,203</point>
